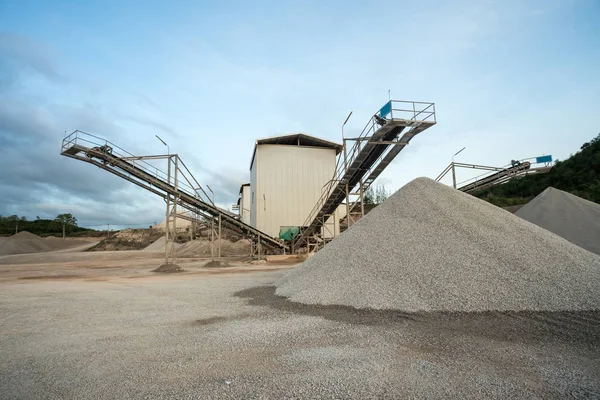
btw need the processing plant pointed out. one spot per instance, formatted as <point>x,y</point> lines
<point>300,186</point>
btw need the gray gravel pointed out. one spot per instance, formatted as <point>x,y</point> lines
<point>432,248</point>
<point>569,216</point>
<point>192,338</point>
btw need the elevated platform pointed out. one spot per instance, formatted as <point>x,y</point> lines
<point>386,134</point>
<point>179,186</point>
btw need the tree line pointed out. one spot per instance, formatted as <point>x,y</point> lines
<point>63,224</point>
<point>376,195</point>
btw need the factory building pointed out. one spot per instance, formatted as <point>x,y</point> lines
<point>287,178</point>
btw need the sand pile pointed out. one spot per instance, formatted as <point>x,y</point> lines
<point>201,248</point>
<point>181,223</point>
<point>432,248</point>
<point>25,242</point>
<point>567,215</point>
<point>159,245</point>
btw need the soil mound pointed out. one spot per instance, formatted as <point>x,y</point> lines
<point>216,264</point>
<point>168,269</point>
<point>432,248</point>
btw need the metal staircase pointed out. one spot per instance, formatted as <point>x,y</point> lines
<point>177,186</point>
<point>383,138</point>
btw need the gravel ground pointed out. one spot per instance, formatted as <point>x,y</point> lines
<point>432,248</point>
<point>569,216</point>
<point>228,336</point>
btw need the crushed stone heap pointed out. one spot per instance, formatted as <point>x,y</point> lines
<point>569,216</point>
<point>432,248</point>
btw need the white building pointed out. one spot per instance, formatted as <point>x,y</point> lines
<point>287,178</point>
<point>244,203</point>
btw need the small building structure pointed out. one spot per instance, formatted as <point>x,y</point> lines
<point>243,203</point>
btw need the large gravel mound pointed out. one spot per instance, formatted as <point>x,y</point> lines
<point>569,216</point>
<point>432,248</point>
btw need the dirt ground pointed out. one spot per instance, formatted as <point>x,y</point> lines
<point>100,325</point>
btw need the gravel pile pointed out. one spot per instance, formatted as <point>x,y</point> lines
<point>159,245</point>
<point>569,216</point>
<point>201,248</point>
<point>432,248</point>
<point>25,242</point>
<point>168,269</point>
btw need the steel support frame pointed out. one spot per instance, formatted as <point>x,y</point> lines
<point>82,146</point>
<point>171,212</point>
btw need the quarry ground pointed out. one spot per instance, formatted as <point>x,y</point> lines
<point>100,325</point>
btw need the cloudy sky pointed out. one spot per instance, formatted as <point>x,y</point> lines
<point>510,79</point>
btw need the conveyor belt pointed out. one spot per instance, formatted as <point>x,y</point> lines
<point>91,149</point>
<point>368,158</point>
<point>495,178</point>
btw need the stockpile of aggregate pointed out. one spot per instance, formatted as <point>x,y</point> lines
<point>567,215</point>
<point>159,245</point>
<point>201,248</point>
<point>432,248</point>
<point>25,242</point>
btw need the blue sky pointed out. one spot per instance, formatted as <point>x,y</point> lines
<point>510,79</point>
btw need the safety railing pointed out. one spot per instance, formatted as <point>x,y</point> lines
<point>186,183</point>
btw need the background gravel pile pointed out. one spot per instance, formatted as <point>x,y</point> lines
<point>569,216</point>
<point>199,248</point>
<point>25,242</point>
<point>430,247</point>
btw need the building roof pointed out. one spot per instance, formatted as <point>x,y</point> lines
<point>297,139</point>
<point>241,190</point>
<point>242,187</point>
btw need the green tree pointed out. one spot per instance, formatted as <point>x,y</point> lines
<point>376,195</point>
<point>381,194</point>
<point>68,222</point>
<point>369,196</point>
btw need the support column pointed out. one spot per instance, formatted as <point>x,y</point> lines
<point>175,201</point>
<point>453,176</point>
<point>212,239</point>
<point>362,200</point>
<point>220,237</point>
<point>168,212</point>
<point>259,247</point>
<point>347,206</point>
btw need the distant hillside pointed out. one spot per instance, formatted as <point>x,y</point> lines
<point>579,175</point>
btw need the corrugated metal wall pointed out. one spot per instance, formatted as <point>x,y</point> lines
<point>286,182</point>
